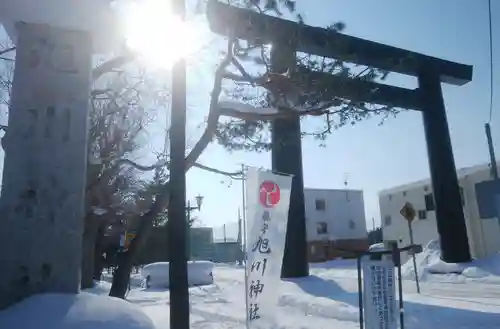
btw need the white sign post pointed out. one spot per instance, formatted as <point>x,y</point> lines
<point>379,293</point>
<point>268,200</point>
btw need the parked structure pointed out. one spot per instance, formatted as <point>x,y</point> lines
<point>484,234</point>
<point>201,243</point>
<point>334,219</point>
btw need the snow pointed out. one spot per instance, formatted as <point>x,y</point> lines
<point>233,108</point>
<point>246,108</point>
<point>326,299</point>
<point>377,247</point>
<point>99,211</point>
<point>82,311</point>
<point>199,273</point>
<point>431,267</point>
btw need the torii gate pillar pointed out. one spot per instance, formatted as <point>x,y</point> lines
<point>449,212</point>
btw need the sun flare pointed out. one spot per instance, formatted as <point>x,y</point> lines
<point>159,36</point>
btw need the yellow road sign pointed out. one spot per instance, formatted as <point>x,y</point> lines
<point>128,239</point>
<point>408,212</point>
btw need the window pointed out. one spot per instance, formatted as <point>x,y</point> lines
<point>404,193</point>
<point>390,197</point>
<point>322,228</point>
<point>387,220</point>
<point>426,188</point>
<point>320,204</point>
<point>352,224</point>
<point>422,214</point>
<point>429,202</point>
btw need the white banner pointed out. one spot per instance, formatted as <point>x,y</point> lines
<point>268,200</point>
<point>379,293</point>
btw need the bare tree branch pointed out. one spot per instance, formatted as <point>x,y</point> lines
<point>233,175</point>
<point>213,111</point>
<point>111,64</point>
<point>140,167</point>
<point>162,198</point>
<point>7,50</point>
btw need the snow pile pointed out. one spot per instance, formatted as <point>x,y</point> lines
<point>199,273</point>
<point>429,264</point>
<point>82,311</point>
<point>377,247</point>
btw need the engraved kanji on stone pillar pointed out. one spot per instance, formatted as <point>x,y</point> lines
<point>43,188</point>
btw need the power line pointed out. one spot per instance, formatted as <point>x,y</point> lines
<point>491,60</point>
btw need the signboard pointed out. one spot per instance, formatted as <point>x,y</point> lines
<point>128,238</point>
<point>379,291</point>
<point>268,200</point>
<point>408,212</point>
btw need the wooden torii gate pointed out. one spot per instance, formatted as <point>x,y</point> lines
<point>288,37</point>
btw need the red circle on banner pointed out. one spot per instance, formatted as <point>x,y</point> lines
<point>269,194</point>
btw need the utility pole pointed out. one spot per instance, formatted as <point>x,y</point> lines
<point>491,149</point>
<point>177,232</point>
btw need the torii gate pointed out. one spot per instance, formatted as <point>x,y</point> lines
<point>288,37</point>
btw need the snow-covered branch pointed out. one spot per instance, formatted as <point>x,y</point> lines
<point>112,64</point>
<point>233,175</point>
<point>7,50</point>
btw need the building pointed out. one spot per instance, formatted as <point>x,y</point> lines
<point>484,234</point>
<point>334,219</point>
<point>201,243</point>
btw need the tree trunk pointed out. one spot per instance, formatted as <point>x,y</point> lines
<point>121,276</point>
<point>98,250</point>
<point>91,227</point>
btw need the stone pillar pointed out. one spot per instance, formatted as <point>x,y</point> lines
<point>42,199</point>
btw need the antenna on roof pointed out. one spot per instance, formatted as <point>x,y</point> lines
<point>346,179</point>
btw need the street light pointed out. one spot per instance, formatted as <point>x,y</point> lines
<point>199,200</point>
<point>189,208</point>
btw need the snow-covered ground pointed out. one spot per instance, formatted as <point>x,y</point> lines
<point>328,298</point>
<point>199,273</point>
<point>82,311</point>
<point>431,268</point>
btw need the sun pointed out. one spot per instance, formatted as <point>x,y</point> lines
<point>159,36</point>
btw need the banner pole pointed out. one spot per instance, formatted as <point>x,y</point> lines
<point>245,252</point>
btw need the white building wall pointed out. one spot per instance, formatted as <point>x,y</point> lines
<point>484,235</point>
<point>486,231</point>
<point>344,214</point>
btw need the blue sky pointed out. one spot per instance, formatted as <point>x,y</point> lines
<point>374,157</point>
<point>370,156</point>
